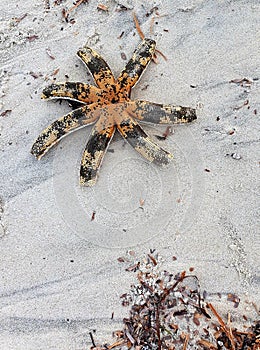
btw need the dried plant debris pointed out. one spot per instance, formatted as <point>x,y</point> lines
<point>142,36</point>
<point>168,131</point>
<point>102,7</point>
<point>6,112</point>
<point>244,82</point>
<point>19,19</point>
<point>246,103</point>
<point>36,75</point>
<point>48,51</point>
<point>57,2</point>
<point>124,5</point>
<point>65,14</point>
<point>167,311</point>
<point>32,38</point>
<point>47,5</point>
<point>14,32</point>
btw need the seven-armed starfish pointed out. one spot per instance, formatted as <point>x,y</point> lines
<point>110,106</point>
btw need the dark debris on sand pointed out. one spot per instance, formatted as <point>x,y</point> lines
<point>167,311</point>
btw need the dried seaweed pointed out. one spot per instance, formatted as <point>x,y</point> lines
<point>167,311</point>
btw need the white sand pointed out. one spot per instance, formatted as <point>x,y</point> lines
<point>60,277</point>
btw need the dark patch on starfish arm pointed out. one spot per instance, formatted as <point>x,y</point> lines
<point>136,65</point>
<point>94,153</point>
<point>100,70</point>
<point>75,91</point>
<point>140,141</point>
<point>161,114</point>
<point>53,133</point>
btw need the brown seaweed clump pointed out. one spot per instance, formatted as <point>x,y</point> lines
<point>167,311</point>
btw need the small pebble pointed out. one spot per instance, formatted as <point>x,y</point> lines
<point>236,156</point>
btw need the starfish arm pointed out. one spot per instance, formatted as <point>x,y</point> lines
<point>156,113</point>
<point>140,141</point>
<point>61,127</point>
<point>100,70</point>
<point>74,91</point>
<point>136,65</point>
<point>94,152</point>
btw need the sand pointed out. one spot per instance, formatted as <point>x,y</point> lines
<point>60,277</point>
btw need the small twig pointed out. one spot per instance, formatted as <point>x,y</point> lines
<point>207,344</point>
<point>168,291</point>
<point>117,343</point>
<point>256,308</point>
<point>153,259</point>
<point>48,51</point>
<point>19,19</point>
<point>151,26</point>
<point>93,215</point>
<point>4,113</point>
<point>78,2</point>
<point>154,58</point>
<point>242,82</point>
<point>160,53</point>
<point>223,326</point>
<point>158,326</point>
<point>229,325</point>
<point>129,336</point>
<point>239,107</point>
<point>150,288</point>
<point>142,36</point>
<point>102,7</point>
<point>138,28</point>
<point>187,337</point>
<point>92,339</point>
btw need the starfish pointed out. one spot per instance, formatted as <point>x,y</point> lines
<point>109,106</point>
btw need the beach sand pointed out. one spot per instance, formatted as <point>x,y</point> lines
<point>60,277</point>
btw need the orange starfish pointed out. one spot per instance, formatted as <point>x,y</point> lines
<point>110,106</point>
